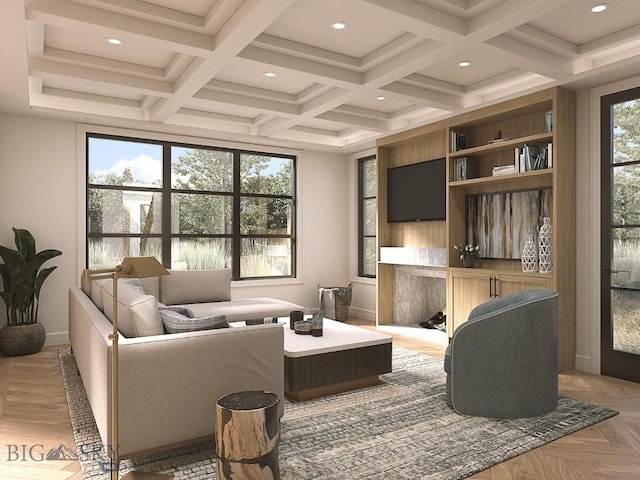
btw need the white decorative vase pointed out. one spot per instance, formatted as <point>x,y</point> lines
<point>545,246</point>
<point>529,255</point>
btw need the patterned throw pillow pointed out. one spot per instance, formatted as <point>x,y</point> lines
<point>181,310</point>
<point>175,322</point>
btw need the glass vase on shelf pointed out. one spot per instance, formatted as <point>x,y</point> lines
<point>545,246</point>
<point>529,255</point>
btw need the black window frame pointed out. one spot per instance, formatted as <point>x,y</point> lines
<point>362,162</point>
<point>166,235</point>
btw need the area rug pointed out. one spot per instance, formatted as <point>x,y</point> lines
<point>400,429</point>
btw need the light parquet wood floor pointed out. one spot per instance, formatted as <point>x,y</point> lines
<point>34,418</point>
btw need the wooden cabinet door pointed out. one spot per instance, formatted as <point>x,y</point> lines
<point>469,290</point>
<point>512,283</point>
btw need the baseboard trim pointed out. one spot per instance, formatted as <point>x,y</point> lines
<point>362,313</point>
<point>583,363</point>
<point>53,339</point>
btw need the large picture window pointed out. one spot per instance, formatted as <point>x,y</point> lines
<point>367,210</point>
<point>193,207</point>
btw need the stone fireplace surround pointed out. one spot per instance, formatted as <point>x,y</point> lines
<point>419,284</point>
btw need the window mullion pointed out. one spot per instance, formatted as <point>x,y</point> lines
<point>236,248</point>
<point>166,205</point>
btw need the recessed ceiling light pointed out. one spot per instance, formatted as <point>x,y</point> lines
<point>270,74</point>
<point>114,41</point>
<point>464,63</point>
<point>599,8</point>
<point>339,25</point>
<point>381,97</point>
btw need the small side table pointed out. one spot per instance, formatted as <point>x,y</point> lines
<point>247,436</point>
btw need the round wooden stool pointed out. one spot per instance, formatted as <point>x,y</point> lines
<point>247,435</point>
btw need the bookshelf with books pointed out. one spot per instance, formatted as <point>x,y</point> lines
<point>515,152</point>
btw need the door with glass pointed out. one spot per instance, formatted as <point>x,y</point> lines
<point>620,235</point>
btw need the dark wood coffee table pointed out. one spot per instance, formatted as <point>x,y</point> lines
<point>346,357</point>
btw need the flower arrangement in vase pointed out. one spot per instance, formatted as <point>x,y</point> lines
<point>468,253</point>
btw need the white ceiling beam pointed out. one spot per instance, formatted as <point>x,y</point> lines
<point>364,123</point>
<point>249,91</point>
<point>150,11</point>
<point>531,58</point>
<point>336,76</point>
<point>79,105</point>
<point>240,30</point>
<point>216,116</point>
<point>228,98</point>
<point>176,65</point>
<point>433,84</point>
<point>508,15</point>
<point>439,100</point>
<point>545,41</point>
<point>99,63</point>
<point>362,112</point>
<point>320,104</point>
<point>35,38</point>
<point>629,37</point>
<point>296,49</point>
<point>71,15</point>
<point>220,12</point>
<point>102,99</point>
<point>131,83</point>
<point>419,57</point>
<point>422,20</point>
<point>395,47</point>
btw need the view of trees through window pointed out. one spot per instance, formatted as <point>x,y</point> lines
<point>192,207</point>
<point>625,213</point>
<point>367,211</point>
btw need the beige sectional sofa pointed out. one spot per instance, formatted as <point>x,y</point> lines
<point>169,383</point>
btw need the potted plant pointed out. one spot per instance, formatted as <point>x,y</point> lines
<point>467,254</point>
<point>22,279</point>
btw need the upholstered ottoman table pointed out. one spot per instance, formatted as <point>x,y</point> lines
<point>344,358</point>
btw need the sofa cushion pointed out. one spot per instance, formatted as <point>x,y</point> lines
<point>137,312</point>
<point>195,286</point>
<point>243,309</point>
<point>175,322</point>
<point>151,286</point>
<point>96,291</point>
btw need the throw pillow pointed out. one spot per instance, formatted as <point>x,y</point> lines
<point>135,284</point>
<point>175,322</point>
<point>175,308</point>
<point>137,313</point>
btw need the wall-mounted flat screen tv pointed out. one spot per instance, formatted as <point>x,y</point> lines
<point>417,192</point>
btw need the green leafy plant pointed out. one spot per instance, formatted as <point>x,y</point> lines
<point>23,277</point>
<point>467,250</point>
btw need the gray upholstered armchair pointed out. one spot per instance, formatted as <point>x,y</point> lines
<point>503,361</point>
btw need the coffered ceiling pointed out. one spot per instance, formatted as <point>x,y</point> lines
<point>199,65</point>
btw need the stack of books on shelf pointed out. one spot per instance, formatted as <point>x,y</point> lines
<point>504,170</point>
<point>465,168</point>
<point>533,157</point>
<point>459,141</point>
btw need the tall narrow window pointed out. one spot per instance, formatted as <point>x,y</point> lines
<point>193,207</point>
<point>367,210</point>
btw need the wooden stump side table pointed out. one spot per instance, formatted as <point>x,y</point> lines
<point>247,436</point>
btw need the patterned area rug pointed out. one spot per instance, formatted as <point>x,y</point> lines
<point>400,429</point>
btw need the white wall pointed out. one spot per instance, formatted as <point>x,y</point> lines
<point>38,192</point>
<point>39,178</point>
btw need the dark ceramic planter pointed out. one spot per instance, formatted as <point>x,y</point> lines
<point>468,261</point>
<point>21,339</point>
